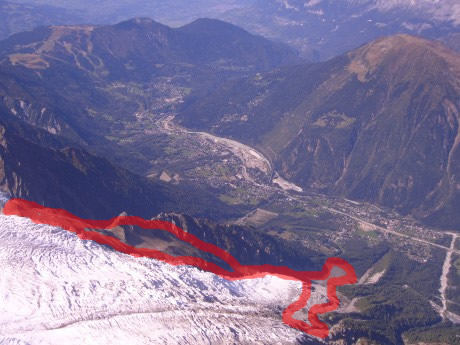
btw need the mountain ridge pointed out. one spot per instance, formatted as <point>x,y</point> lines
<point>144,35</point>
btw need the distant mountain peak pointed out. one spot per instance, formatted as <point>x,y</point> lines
<point>208,21</point>
<point>139,22</point>
<point>402,49</point>
<point>379,48</point>
<point>143,20</point>
<point>208,26</point>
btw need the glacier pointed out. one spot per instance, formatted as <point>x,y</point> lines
<point>58,289</point>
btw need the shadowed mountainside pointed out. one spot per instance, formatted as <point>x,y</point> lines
<point>41,167</point>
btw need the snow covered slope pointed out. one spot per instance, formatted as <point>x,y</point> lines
<point>58,289</point>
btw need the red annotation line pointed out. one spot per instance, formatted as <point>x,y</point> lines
<point>63,219</point>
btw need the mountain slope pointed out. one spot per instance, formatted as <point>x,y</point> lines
<point>380,124</point>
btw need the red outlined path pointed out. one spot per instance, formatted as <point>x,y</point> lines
<point>63,219</point>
